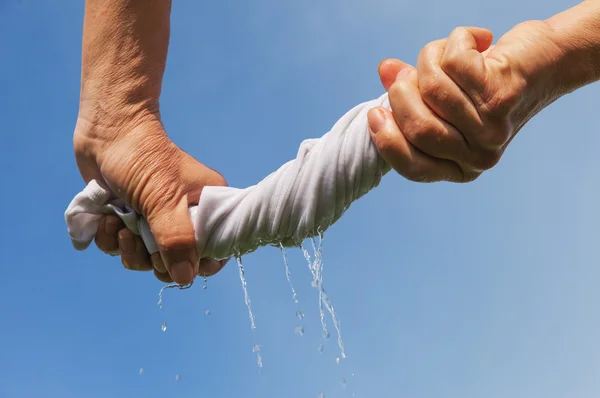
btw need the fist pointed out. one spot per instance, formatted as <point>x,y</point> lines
<point>454,114</point>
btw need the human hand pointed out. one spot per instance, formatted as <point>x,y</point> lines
<point>144,168</point>
<point>455,113</point>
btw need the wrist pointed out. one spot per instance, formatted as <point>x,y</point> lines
<point>96,131</point>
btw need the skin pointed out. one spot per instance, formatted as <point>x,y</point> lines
<point>453,115</point>
<point>455,112</point>
<point>120,140</point>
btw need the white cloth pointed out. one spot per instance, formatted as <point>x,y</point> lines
<point>302,198</point>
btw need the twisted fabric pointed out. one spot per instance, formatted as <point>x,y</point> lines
<point>301,199</point>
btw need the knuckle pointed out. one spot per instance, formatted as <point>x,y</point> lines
<point>452,62</point>
<point>398,89</point>
<point>470,176</point>
<point>430,86</point>
<point>417,173</point>
<point>499,103</point>
<point>485,160</point>
<point>423,131</point>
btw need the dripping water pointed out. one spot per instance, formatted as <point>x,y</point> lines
<point>288,275</point>
<point>316,268</point>
<point>163,326</point>
<point>246,296</point>
<point>318,272</point>
<point>315,284</point>
<point>256,347</point>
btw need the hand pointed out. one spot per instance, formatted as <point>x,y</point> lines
<point>144,168</point>
<point>455,113</point>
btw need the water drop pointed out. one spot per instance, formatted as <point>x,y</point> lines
<point>204,282</point>
<point>321,395</point>
<point>299,315</point>
<point>337,360</point>
<point>163,327</point>
<point>141,371</point>
<point>256,348</point>
<point>299,330</point>
<point>343,382</point>
<point>177,377</point>
<point>207,312</point>
<point>326,334</point>
<point>321,348</point>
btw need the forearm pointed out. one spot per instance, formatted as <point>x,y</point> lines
<point>124,54</point>
<point>577,32</point>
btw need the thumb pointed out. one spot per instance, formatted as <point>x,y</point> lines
<point>173,231</point>
<point>388,70</point>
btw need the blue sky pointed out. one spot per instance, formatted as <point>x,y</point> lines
<point>488,289</point>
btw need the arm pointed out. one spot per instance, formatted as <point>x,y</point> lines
<point>577,32</point>
<point>120,141</point>
<point>124,55</point>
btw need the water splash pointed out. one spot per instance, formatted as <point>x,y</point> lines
<point>299,330</point>
<point>256,347</point>
<point>299,315</point>
<point>163,327</point>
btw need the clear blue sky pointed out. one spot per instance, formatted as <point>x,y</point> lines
<point>482,290</point>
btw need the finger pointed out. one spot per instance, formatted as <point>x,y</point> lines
<point>388,70</point>
<point>174,233</point>
<point>209,267</point>
<point>134,255</point>
<point>158,263</point>
<point>444,96</point>
<point>463,61</point>
<point>107,234</point>
<point>163,277</point>
<point>399,153</point>
<point>422,127</point>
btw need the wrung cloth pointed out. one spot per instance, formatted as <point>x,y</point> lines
<point>301,199</point>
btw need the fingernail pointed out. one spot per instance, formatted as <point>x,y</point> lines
<point>402,73</point>
<point>111,225</point>
<point>182,273</point>
<point>376,118</point>
<point>127,244</point>
<point>125,264</point>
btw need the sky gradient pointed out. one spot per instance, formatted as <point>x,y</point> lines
<point>488,289</point>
